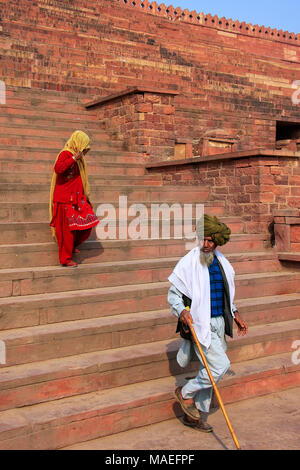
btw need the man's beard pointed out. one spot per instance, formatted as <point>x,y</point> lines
<point>206,259</point>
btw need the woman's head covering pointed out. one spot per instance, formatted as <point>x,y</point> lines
<point>210,226</point>
<point>78,142</point>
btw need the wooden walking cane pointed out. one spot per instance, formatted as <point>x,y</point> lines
<point>213,384</point>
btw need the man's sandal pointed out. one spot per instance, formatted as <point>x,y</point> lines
<point>189,409</point>
<point>198,425</point>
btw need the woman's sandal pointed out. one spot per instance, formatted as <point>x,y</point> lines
<point>71,264</point>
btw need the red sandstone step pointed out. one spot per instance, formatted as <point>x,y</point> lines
<point>58,378</point>
<point>289,257</point>
<point>96,156</point>
<point>53,307</point>
<point>52,127</point>
<point>16,232</point>
<point>19,119</point>
<point>39,102</point>
<point>26,114</point>
<point>103,154</point>
<point>36,96</point>
<point>41,170</point>
<point>53,132</point>
<point>42,95</point>
<point>10,192</point>
<point>20,212</point>
<point>255,262</point>
<point>40,142</point>
<point>22,232</point>
<point>95,179</point>
<point>30,281</point>
<point>37,382</point>
<point>50,113</point>
<point>252,379</point>
<point>275,308</point>
<point>265,284</point>
<point>31,344</point>
<point>19,311</point>
<point>72,420</point>
<point>265,340</point>
<point>58,107</point>
<point>35,134</point>
<point>39,211</point>
<point>83,304</point>
<point>46,254</point>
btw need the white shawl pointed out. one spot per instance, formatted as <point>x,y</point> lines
<point>192,279</point>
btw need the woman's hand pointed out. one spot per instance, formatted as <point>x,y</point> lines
<point>77,156</point>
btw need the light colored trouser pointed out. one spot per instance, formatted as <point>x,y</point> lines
<point>200,387</point>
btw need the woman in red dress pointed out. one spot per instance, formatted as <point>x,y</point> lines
<point>71,214</point>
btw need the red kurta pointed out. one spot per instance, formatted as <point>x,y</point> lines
<point>73,217</point>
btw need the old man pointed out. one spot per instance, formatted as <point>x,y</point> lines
<point>204,281</point>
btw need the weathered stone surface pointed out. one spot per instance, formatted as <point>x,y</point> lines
<point>91,352</point>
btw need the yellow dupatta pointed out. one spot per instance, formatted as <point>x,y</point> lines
<point>78,142</point>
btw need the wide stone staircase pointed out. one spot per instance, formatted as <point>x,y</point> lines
<point>91,351</point>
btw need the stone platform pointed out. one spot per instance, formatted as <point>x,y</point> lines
<point>270,422</point>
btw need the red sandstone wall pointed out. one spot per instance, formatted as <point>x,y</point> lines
<point>228,77</point>
<point>252,188</point>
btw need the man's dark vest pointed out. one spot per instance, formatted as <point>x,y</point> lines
<point>228,318</point>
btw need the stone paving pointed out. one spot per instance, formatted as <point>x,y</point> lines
<point>269,422</point>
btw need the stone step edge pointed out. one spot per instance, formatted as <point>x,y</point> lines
<point>45,223</point>
<point>114,291</point>
<point>146,203</point>
<point>94,244</point>
<point>88,123</point>
<point>96,163</point>
<point>57,111</point>
<point>54,297</point>
<point>114,266</point>
<point>54,151</point>
<point>69,366</point>
<point>23,421</point>
<point>25,92</point>
<point>261,379</point>
<point>289,256</point>
<point>93,178</point>
<point>129,322</point>
<point>92,123</point>
<point>168,188</point>
<point>92,127</point>
<point>98,361</point>
<point>118,221</point>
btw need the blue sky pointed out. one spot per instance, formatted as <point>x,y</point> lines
<point>280,14</point>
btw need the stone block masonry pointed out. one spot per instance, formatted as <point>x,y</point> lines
<point>252,184</point>
<point>143,118</point>
<point>229,75</point>
<point>287,230</point>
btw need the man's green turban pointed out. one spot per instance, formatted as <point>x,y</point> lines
<point>213,228</point>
